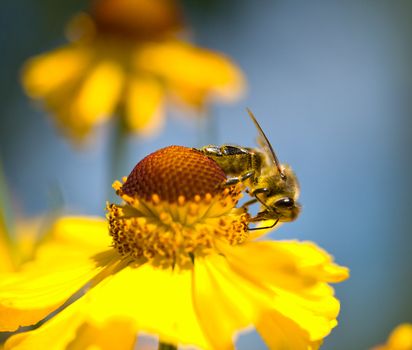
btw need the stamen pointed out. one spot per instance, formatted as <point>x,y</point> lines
<point>173,224</point>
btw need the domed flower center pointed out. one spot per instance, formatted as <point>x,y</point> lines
<point>137,19</point>
<point>176,208</point>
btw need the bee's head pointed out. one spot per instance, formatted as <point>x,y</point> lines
<point>279,198</point>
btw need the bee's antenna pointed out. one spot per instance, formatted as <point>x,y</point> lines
<point>275,159</point>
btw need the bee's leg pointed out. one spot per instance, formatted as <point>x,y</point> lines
<point>235,180</point>
<point>258,191</point>
<point>262,228</point>
<point>211,151</point>
<point>229,150</point>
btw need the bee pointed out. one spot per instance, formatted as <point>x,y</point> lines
<point>267,182</point>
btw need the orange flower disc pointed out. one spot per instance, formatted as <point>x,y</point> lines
<point>172,172</point>
<point>138,19</point>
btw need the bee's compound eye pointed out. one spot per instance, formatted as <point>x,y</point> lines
<point>286,202</point>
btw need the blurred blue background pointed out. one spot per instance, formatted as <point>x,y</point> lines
<point>330,82</point>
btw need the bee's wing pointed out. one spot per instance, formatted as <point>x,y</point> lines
<point>264,143</point>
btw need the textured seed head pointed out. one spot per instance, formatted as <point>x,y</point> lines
<point>138,19</point>
<point>173,172</point>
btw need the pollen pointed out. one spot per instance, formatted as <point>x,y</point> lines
<point>175,209</point>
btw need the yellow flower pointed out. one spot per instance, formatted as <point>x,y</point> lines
<point>178,263</point>
<point>126,58</point>
<point>399,339</point>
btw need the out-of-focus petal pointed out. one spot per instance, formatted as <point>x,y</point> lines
<point>158,300</point>
<point>194,73</point>
<point>99,94</point>
<point>45,73</point>
<point>43,285</point>
<point>82,232</point>
<point>144,105</point>
<point>399,339</point>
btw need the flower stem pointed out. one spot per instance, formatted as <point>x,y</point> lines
<point>165,346</point>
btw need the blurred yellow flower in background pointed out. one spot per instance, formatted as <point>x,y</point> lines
<point>175,260</point>
<point>126,58</point>
<point>399,339</point>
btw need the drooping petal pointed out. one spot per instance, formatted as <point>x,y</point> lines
<point>224,302</point>
<point>68,330</point>
<point>47,72</point>
<point>77,252</point>
<point>298,266</point>
<point>99,94</point>
<point>279,332</point>
<point>158,300</point>
<point>144,105</point>
<point>238,302</point>
<point>192,72</point>
<point>294,276</point>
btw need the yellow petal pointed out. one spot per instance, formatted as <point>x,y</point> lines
<point>59,104</point>
<point>159,301</point>
<point>114,335</point>
<point>87,101</point>
<point>82,232</point>
<point>69,330</point>
<point>294,275</point>
<point>144,105</point>
<point>47,72</point>
<point>225,303</point>
<point>399,339</point>
<point>298,266</point>
<point>54,334</point>
<point>99,94</point>
<point>279,332</point>
<point>192,71</point>
<point>62,267</point>
<point>315,261</point>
